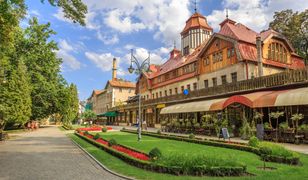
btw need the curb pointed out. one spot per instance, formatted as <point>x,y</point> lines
<point>100,164</point>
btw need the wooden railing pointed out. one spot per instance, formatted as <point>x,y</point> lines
<point>276,80</point>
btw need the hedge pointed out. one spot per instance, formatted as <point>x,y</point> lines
<point>147,165</point>
<point>218,143</point>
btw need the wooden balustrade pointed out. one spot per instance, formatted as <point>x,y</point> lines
<point>288,77</point>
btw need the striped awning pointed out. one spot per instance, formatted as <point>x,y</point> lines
<point>260,99</point>
<point>199,106</point>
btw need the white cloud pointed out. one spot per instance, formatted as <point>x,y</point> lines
<point>64,52</point>
<point>103,61</point>
<point>121,22</point>
<point>255,14</point>
<point>108,40</point>
<point>165,17</point>
<point>157,56</point>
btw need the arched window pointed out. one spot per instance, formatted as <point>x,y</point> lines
<point>277,52</point>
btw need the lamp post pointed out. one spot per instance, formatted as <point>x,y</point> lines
<point>144,66</point>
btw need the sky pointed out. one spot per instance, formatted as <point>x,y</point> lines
<point>114,27</point>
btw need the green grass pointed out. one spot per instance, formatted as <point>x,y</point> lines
<point>170,146</point>
<point>16,131</point>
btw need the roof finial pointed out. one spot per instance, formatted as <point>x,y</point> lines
<point>174,44</point>
<point>195,6</point>
<point>227,15</point>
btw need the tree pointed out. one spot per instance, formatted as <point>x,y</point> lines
<point>276,115</point>
<point>294,26</point>
<point>71,105</point>
<point>73,9</point>
<point>297,117</point>
<point>15,100</point>
<point>88,114</point>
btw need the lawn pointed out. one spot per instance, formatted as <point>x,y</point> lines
<point>170,146</point>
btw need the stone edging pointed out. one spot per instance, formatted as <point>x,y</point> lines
<point>100,164</point>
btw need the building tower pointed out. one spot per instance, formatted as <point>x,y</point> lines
<point>114,68</point>
<point>195,32</point>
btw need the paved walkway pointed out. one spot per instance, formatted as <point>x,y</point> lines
<point>47,154</point>
<point>301,148</point>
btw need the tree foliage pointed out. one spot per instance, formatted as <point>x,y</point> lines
<point>88,114</point>
<point>294,26</point>
<point>31,86</point>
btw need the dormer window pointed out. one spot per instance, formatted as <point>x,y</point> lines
<point>186,50</point>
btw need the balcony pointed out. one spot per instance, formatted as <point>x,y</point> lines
<point>280,80</point>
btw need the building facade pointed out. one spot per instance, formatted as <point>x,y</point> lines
<point>208,60</point>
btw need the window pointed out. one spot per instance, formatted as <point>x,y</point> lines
<point>120,89</point>
<point>170,91</point>
<point>230,52</point>
<point>129,90</point>
<point>159,79</point>
<point>217,56</point>
<point>160,94</point>
<point>234,77</point>
<point>214,81</point>
<point>188,87</point>
<point>224,79</point>
<point>182,89</point>
<point>176,90</point>
<point>277,52</point>
<point>167,76</point>
<point>147,96</point>
<point>166,93</point>
<point>206,61</point>
<point>174,73</point>
<point>206,83</point>
<point>186,50</point>
<point>195,86</point>
<point>153,96</point>
<point>157,95</point>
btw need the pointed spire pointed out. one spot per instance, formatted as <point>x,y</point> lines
<point>174,44</point>
<point>195,3</point>
<point>227,15</point>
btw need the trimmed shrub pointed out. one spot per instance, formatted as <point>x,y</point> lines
<point>158,131</point>
<point>265,151</point>
<point>104,129</point>
<point>253,141</point>
<point>191,136</point>
<point>112,142</point>
<point>155,154</point>
<point>123,128</point>
<point>97,136</point>
<point>86,133</point>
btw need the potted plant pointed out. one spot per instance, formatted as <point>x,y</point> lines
<point>245,130</point>
<point>276,115</point>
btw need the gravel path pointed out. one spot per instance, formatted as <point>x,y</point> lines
<point>47,154</point>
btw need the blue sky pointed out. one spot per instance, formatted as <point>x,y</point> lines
<point>116,26</point>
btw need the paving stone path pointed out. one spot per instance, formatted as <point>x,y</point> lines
<point>47,154</point>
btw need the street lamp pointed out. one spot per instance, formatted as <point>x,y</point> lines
<point>144,66</point>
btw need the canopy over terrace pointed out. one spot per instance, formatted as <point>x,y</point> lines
<point>261,99</point>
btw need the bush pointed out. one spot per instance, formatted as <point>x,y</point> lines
<point>265,151</point>
<point>267,126</point>
<point>304,127</point>
<point>123,128</point>
<point>112,142</point>
<point>86,133</point>
<point>104,129</point>
<point>158,131</point>
<point>253,141</point>
<point>97,136</point>
<point>191,136</point>
<point>284,125</point>
<point>155,154</point>
<point>277,150</point>
<point>190,163</point>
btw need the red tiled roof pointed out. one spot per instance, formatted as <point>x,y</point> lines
<point>238,31</point>
<point>196,21</point>
<point>121,83</point>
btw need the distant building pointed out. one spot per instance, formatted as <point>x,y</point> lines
<point>116,93</point>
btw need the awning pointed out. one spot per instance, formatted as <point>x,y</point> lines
<point>199,106</point>
<point>293,97</point>
<point>109,114</point>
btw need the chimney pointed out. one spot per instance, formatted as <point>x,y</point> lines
<point>114,68</point>
<point>259,55</point>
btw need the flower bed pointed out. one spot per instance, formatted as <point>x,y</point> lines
<point>95,128</point>
<point>237,146</point>
<point>149,165</point>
